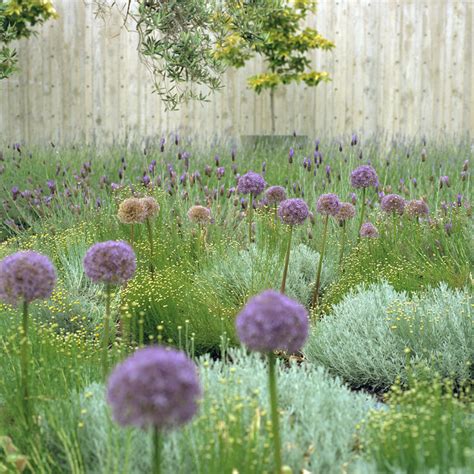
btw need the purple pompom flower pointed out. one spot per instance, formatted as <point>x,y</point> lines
<point>328,204</point>
<point>368,230</point>
<point>112,262</point>
<point>275,194</point>
<point>251,183</point>
<point>155,387</point>
<point>417,208</point>
<point>392,204</point>
<point>293,211</point>
<point>363,177</point>
<point>346,212</point>
<point>25,277</point>
<point>271,321</point>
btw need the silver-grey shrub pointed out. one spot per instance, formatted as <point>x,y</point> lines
<point>366,338</point>
<point>319,419</point>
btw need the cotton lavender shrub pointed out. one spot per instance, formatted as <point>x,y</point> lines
<point>363,177</point>
<point>327,205</point>
<point>269,322</point>
<point>292,212</point>
<point>252,184</point>
<point>155,388</point>
<point>112,263</point>
<point>25,277</point>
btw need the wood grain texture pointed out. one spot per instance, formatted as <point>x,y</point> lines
<point>400,67</point>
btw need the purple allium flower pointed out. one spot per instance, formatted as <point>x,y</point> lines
<point>346,212</point>
<point>154,387</point>
<point>393,203</point>
<point>112,262</point>
<point>363,177</point>
<point>368,230</point>
<point>271,321</point>
<point>293,211</point>
<point>328,204</point>
<point>26,276</point>
<point>417,208</point>
<point>275,194</point>
<point>251,183</point>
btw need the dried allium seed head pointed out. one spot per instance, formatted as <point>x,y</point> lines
<point>151,207</point>
<point>199,215</point>
<point>368,230</point>
<point>131,211</point>
<point>275,194</point>
<point>392,203</point>
<point>417,208</point>
<point>346,212</point>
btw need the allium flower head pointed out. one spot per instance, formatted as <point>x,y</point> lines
<point>271,321</point>
<point>417,208</point>
<point>368,230</point>
<point>293,211</point>
<point>156,387</point>
<point>26,276</point>
<point>328,204</point>
<point>131,211</point>
<point>363,177</point>
<point>199,215</point>
<point>251,183</point>
<point>346,212</point>
<point>275,194</point>
<point>393,204</point>
<point>111,262</point>
<point>150,206</point>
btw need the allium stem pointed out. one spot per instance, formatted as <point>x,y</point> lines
<point>362,212</point>
<point>320,264</point>
<point>132,234</point>
<point>150,243</point>
<point>274,411</point>
<point>250,217</point>
<point>343,243</point>
<point>106,335</point>
<point>287,261</point>
<point>24,365</point>
<point>156,451</point>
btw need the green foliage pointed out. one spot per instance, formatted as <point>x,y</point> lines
<point>283,43</point>
<point>17,18</point>
<point>232,428</point>
<point>425,429</point>
<point>366,337</point>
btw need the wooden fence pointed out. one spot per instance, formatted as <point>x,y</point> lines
<point>399,67</point>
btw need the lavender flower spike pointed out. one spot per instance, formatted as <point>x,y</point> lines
<point>155,387</point>
<point>271,321</point>
<point>25,277</point>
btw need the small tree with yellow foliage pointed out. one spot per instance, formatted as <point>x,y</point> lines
<point>284,43</point>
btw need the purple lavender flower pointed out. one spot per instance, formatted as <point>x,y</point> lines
<point>220,172</point>
<point>368,230</point>
<point>51,186</point>
<point>154,387</point>
<point>15,192</point>
<point>363,177</point>
<point>275,194</point>
<point>328,204</point>
<point>354,140</point>
<point>26,276</point>
<point>444,181</point>
<point>417,208</point>
<point>293,211</point>
<point>271,321</point>
<point>112,262</point>
<point>251,183</point>
<point>291,154</point>
<point>392,204</point>
<point>448,227</point>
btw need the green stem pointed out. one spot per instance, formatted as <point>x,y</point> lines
<point>156,461</point>
<point>24,365</point>
<point>343,243</point>
<point>274,411</point>
<point>287,261</point>
<point>320,264</point>
<point>106,335</point>
<point>132,234</point>
<point>250,217</point>
<point>150,243</point>
<point>361,220</point>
